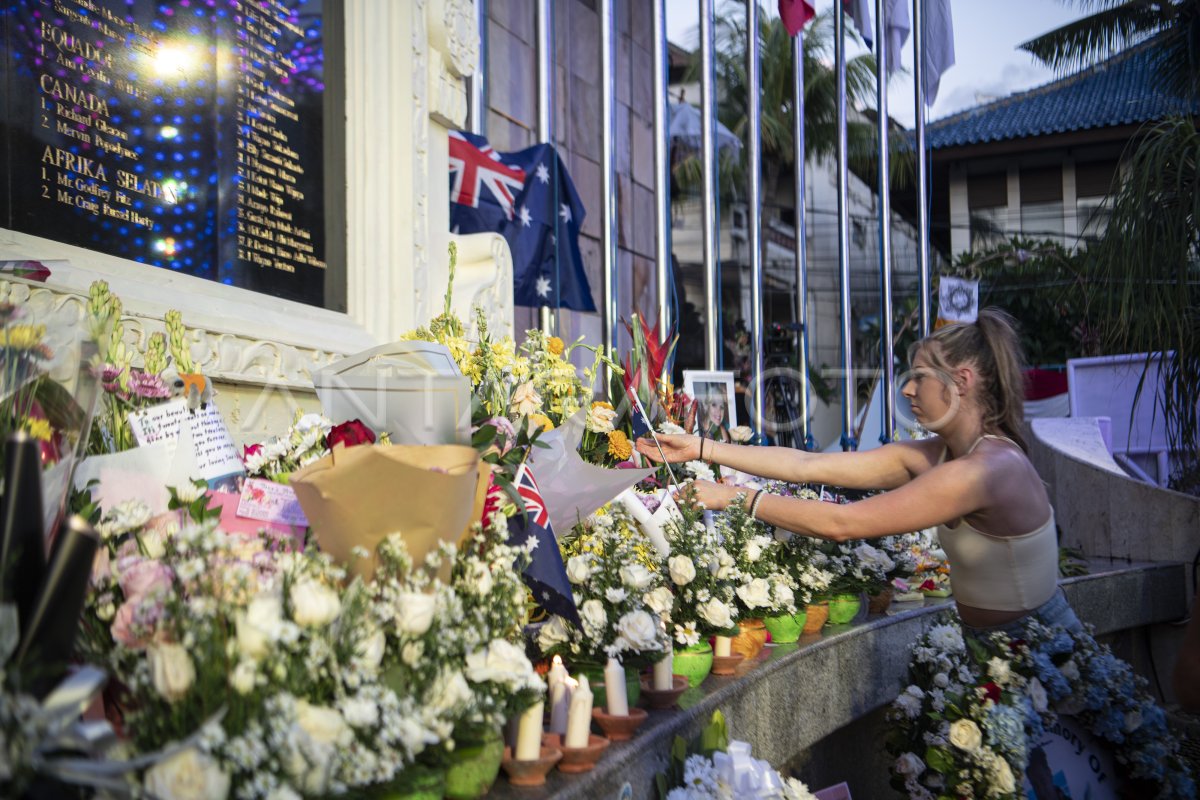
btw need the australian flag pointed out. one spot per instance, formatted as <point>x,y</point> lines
<point>546,576</point>
<point>528,198</point>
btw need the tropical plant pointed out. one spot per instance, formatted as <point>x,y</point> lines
<point>1143,271</point>
<point>1044,286</point>
<point>820,101</point>
<point>1146,275</point>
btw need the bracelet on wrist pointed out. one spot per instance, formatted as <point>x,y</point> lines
<point>754,504</point>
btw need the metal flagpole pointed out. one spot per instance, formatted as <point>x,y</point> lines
<point>545,122</point>
<point>754,212</point>
<point>708,155</point>
<point>887,368</point>
<point>801,228</point>
<point>923,284</point>
<point>608,178</point>
<point>847,340</point>
<point>477,99</point>
<point>662,172</point>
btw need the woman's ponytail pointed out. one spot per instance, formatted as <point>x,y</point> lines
<point>1007,392</point>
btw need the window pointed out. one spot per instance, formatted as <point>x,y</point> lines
<point>987,200</point>
<point>1041,203</point>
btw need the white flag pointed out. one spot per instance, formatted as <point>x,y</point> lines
<point>860,12</point>
<point>939,46</point>
<point>896,25</point>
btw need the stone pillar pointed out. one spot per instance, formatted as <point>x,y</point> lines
<point>406,65</point>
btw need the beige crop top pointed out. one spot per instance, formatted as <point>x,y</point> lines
<point>1001,573</point>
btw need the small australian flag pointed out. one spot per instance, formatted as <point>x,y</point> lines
<point>546,576</point>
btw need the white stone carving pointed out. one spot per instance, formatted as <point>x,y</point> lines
<point>483,278</point>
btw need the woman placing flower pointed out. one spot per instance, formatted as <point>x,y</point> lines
<point>972,480</point>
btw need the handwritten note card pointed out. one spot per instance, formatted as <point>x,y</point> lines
<point>202,433</point>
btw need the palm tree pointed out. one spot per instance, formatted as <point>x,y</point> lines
<point>1115,25</point>
<point>820,102</point>
<point>1145,270</point>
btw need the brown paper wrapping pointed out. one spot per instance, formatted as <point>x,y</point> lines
<point>357,496</point>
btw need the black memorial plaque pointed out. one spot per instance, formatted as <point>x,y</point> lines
<point>185,134</point>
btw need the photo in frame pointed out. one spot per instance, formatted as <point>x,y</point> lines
<point>716,404</point>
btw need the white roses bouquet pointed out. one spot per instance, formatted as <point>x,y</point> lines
<point>624,604</point>
<point>764,588</point>
<point>457,646</point>
<point>702,575</point>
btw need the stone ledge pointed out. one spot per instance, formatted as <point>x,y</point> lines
<point>793,696</point>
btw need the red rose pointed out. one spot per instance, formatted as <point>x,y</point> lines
<point>349,433</point>
<point>992,691</point>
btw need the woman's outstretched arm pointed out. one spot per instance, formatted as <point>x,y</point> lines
<point>941,494</point>
<point>884,467</point>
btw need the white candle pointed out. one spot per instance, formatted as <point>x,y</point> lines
<point>664,679</point>
<point>560,704</point>
<point>529,733</point>
<point>579,716</point>
<point>723,646</point>
<point>614,688</point>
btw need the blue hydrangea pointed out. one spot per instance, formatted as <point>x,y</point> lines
<point>1056,685</point>
<point>1005,728</point>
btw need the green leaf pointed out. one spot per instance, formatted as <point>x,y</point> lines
<point>939,759</point>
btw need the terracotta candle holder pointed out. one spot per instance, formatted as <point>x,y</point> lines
<point>582,759</point>
<point>532,773</point>
<point>619,728</point>
<point>664,698</point>
<point>725,665</point>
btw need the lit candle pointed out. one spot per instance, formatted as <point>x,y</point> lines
<point>724,643</point>
<point>614,688</point>
<point>579,716</point>
<point>529,733</point>
<point>664,679</point>
<point>560,704</point>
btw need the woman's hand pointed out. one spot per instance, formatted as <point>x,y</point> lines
<point>715,496</point>
<point>676,447</point>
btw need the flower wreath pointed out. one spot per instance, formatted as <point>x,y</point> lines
<point>962,728</point>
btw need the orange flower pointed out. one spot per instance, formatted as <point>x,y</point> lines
<point>602,404</point>
<point>555,345</point>
<point>618,445</point>
<point>542,421</point>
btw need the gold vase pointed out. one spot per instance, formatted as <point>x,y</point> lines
<point>818,613</point>
<point>752,636</point>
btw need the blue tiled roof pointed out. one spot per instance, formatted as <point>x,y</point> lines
<point>1121,90</point>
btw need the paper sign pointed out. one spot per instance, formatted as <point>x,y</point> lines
<point>269,501</point>
<point>1069,762</point>
<point>212,453</point>
<point>958,299</point>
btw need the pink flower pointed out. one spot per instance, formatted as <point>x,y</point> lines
<point>147,386</point>
<point>135,622</point>
<point>140,576</point>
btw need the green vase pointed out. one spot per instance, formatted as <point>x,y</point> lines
<point>595,676</point>
<point>843,608</point>
<point>418,782</point>
<point>694,663</point>
<point>474,765</point>
<point>786,628</point>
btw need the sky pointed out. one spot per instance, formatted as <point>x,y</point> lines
<point>986,34</point>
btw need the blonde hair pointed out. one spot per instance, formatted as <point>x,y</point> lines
<point>992,346</point>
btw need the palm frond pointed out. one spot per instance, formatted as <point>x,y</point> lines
<point>1146,269</point>
<point>1100,35</point>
